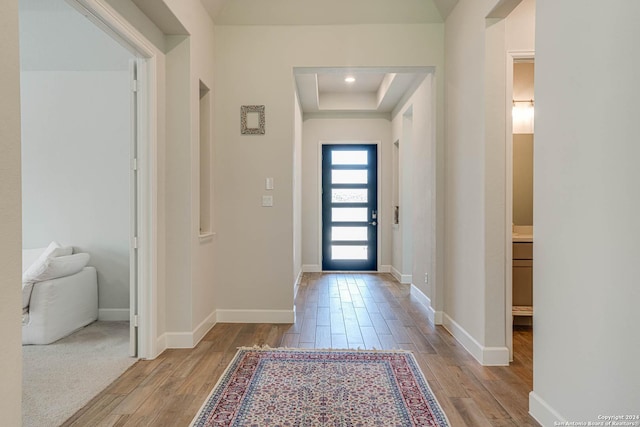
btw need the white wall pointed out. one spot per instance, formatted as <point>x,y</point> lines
<point>464,224</point>
<point>75,154</point>
<point>254,65</point>
<point>297,189</point>
<point>586,343</point>
<point>418,162</point>
<point>178,204</point>
<point>191,289</point>
<point>405,196</point>
<point>475,229</point>
<point>183,275</point>
<point>10,213</point>
<point>334,130</point>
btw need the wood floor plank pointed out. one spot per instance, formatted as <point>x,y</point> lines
<point>354,336</point>
<point>337,323</point>
<point>469,412</point>
<point>290,340</point>
<point>323,337</point>
<point>387,342</point>
<point>363,317</point>
<point>308,332</point>
<point>399,332</point>
<point>332,311</point>
<point>370,338</point>
<point>98,408</point>
<point>339,341</point>
<point>379,323</point>
<point>324,316</point>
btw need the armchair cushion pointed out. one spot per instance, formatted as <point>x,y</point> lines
<point>61,266</point>
<point>40,264</point>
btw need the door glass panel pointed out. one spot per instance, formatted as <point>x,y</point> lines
<point>346,234</point>
<point>342,176</point>
<point>349,157</point>
<point>349,214</point>
<point>349,195</point>
<point>349,252</point>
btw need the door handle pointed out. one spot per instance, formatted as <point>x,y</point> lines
<point>374,223</point>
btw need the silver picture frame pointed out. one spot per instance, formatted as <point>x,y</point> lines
<point>252,120</point>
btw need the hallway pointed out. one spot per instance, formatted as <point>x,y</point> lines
<point>332,310</point>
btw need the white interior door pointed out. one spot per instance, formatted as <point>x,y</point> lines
<point>133,253</point>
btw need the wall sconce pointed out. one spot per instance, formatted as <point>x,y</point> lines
<point>522,114</point>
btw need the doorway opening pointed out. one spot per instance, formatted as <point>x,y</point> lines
<point>520,142</point>
<point>79,139</point>
<point>85,105</point>
<point>350,207</point>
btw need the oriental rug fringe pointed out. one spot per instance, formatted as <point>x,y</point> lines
<point>312,388</point>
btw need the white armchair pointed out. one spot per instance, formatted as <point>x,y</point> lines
<point>56,306</point>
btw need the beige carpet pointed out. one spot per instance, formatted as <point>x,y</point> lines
<point>60,378</point>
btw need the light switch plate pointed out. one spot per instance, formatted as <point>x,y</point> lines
<point>268,183</point>
<point>267,201</point>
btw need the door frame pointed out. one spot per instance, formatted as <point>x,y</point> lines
<point>381,217</point>
<point>106,18</point>
<point>512,58</point>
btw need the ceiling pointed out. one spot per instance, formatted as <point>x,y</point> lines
<point>375,90</point>
<point>327,12</point>
<point>323,90</point>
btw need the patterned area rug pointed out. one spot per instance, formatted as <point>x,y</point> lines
<point>291,387</point>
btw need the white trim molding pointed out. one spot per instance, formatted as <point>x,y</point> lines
<point>385,269</point>
<point>435,317</point>
<point>487,356</point>
<point>113,314</point>
<point>296,286</point>
<point>405,279</point>
<point>256,316</point>
<point>161,343</point>
<point>188,339</point>
<point>311,268</point>
<point>105,17</point>
<point>543,412</point>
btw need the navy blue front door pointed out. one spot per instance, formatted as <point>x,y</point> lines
<point>350,207</point>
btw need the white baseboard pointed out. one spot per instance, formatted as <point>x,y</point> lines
<point>435,317</point>
<point>189,339</point>
<point>178,339</point>
<point>395,273</point>
<point>314,268</point>
<point>256,316</point>
<point>161,345</point>
<point>487,356</point>
<point>405,279</point>
<point>113,314</point>
<point>205,326</point>
<point>296,286</point>
<point>543,412</point>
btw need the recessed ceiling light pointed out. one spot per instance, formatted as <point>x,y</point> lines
<point>350,79</point>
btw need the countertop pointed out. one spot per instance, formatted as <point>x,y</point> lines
<point>522,234</point>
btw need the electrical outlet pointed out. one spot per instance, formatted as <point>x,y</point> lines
<point>426,278</point>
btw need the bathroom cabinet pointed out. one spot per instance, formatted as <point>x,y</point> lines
<point>523,278</point>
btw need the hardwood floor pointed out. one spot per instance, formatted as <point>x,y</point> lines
<point>332,310</point>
